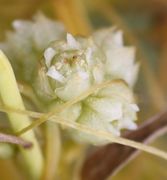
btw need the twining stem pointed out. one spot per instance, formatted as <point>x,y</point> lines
<point>11,97</point>
<point>112,138</point>
<point>114,157</point>
<point>101,134</point>
<point>73,14</point>
<point>54,114</point>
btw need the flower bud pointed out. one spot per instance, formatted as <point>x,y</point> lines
<point>73,66</point>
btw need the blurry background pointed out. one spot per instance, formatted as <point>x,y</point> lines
<point>144,23</point>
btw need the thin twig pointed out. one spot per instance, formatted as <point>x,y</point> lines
<point>6,138</point>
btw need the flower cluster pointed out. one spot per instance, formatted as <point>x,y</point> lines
<point>26,43</point>
<point>75,64</point>
<point>70,67</point>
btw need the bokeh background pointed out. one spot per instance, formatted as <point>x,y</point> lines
<point>144,23</point>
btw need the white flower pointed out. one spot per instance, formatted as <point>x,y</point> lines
<point>71,66</point>
<point>120,59</point>
<point>75,64</point>
<point>26,43</point>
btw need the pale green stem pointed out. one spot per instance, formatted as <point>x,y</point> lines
<point>53,151</point>
<point>11,97</point>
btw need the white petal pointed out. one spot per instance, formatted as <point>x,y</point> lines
<point>72,113</point>
<point>109,37</point>
<point>119,92</point>
<point>54,74</point>
<point>98,74</point>
<point>48,55</point>
<point>17,24</point>
<point>118,38</point>
<point>108,109</point>
<point>120,64</point>
<point>92,120</point>
<point>89,56</point>
<point>83,75</point>
<point>73,88</point>
<point>134,107</point>
<point>71,41</point>
<point>100,35</point>
<point>129,124</point>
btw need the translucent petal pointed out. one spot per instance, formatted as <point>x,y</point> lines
<point>108,37</point>
<point>107,108</point>
<point>73,88</point>
<point>92,120</point>
<point>120,64</point>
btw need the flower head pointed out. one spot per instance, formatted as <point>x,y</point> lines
<point>75,64</point>
<point>70,67</point>
<point>26,43</point>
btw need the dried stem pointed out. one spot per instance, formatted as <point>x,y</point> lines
<point>6,138</point>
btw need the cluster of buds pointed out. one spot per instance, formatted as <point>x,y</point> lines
<point>74,64</point>
<point>70,67</point>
